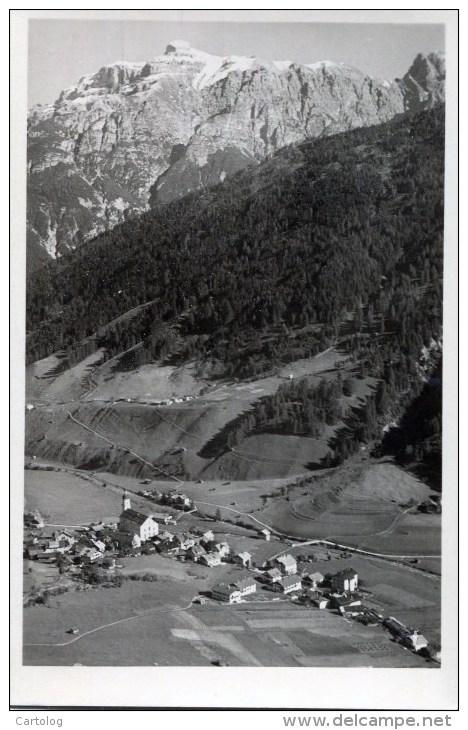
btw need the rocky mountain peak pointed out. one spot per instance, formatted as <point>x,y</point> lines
<point>424,83</point>
<point>182,48</point>
<point>135,135</point>
<point>426,68</point>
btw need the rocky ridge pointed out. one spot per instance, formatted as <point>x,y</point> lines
<point>135,135</point>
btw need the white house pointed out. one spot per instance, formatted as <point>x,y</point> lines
<point>244,559</point>
<point>137,523</point>
<point>99,545</point>
<point>223,549</point>
<point>245,586</point>
<point>287,564</point>
<point>290,583</point>
<point>266,534</point>
<point>345,580</point>
<point>210,559</point>
<point>415,641</point>
<point>320,602</point>
<point>226,593</point>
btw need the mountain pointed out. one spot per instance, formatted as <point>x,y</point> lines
<point>135,135</point>
<point>180,329</point>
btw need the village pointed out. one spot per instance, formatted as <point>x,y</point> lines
<point>91,556</point>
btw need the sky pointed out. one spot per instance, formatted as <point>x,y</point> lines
<point>61,51</point>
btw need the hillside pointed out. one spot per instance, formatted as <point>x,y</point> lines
<point>333,243</point>
<point>135,135</point>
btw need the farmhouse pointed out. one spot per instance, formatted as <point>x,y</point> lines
<point>137,523</point>
<point>343,603</point>
<point>226,593</point>
<point>45,545</point>
<point>287,564</point>
<point>313,580</point>
<point>245,586</point>
<point>181,501</point>
<point>208,535</point>
<point>36,551</point>
<point>345,580</point>
<point>88,554</point>
<point>273,575</point>
<point>196,552</point>
<point>266,534</point>
<point>34,519</point>
<point>244,559</point>
<point>166,536</point>
<point>185,541</point>
<point>126,540</point>
<point>210,559</point>
<point>415,641</point>
<point>65,540</point>
<point>290,583</point>
<point>99,545</point>
<point>410,637</point>
<point>223,549</point>
<point>163,518</point>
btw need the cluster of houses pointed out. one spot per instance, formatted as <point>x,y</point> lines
<point>281,575</point>
<point>100,543</point>
<point>135,530</point>
<point>64,547</point>
<point>173,499</point>
<point>337,591</point>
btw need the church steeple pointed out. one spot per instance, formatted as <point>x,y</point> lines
<point>126,504</point>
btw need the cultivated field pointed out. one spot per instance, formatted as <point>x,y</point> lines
<point>146,624</point>
<point>68,499</point>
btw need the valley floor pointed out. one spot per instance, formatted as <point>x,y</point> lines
<point>146,623</point>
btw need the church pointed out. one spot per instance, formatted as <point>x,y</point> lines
<point>142,527</point>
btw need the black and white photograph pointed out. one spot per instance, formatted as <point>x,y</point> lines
<point>235,315</point>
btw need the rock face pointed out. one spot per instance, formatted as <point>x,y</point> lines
<point>135,135</point>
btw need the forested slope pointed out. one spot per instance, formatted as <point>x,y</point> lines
<point>335,241</point>
<point>264,268</point>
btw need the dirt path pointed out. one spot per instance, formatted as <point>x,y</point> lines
<point>115,623</point>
